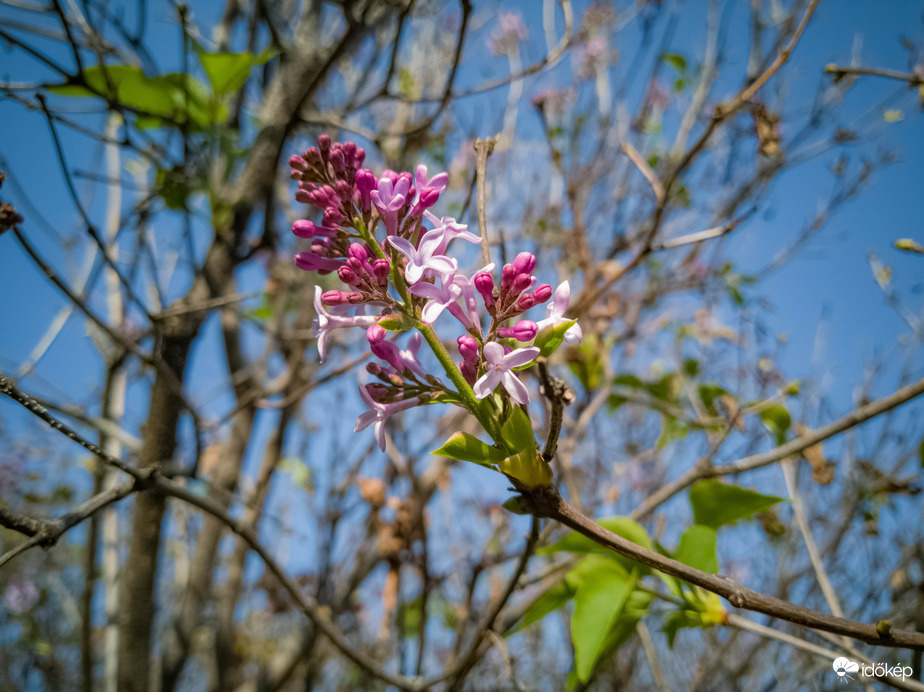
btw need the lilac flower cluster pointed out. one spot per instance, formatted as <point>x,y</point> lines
<point>409,279</point>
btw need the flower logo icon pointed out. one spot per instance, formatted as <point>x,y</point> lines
<point>842,666</point>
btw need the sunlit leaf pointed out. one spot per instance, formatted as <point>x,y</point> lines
<point>718,504</point>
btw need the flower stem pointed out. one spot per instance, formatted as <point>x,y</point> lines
<point>488,422</point>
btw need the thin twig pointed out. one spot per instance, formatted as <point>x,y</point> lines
<point>793,447</point>
<point>914,79</point>
<point>483,149</point>
<point>636,158</point>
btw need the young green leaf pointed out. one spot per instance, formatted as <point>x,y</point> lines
<point>550,338</point>
<point>718,504</point>
<point>601,591</point>
<point>697,548</point>
<point>577,543</point>
<point>776,419</point>
<point>465,447</point>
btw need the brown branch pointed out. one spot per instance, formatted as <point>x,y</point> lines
<point>547,502</point>
<point>914,79</point>
<point>639,161</point>
<point>483,148</point>
<point>791,448</point>
<point>46,532</point>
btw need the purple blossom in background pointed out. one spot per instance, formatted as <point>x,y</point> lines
<point>424,257</point>
<point>451,230</point>
<point>498,371</point>
<point>508,34</point>
<point>20,595</point>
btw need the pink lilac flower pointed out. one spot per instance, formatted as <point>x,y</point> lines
<point>424,257</point>
<point>451,230</point>
<point>378,413</point>
<point>438,299</point>
<point>438,181</point>
<point>556,314</point>
<point>499,371</point>
<point>389,199</point>
<point>326,321</point>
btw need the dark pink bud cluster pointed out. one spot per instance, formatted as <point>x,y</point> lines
<point>366,275</point>
<point>513,297</point>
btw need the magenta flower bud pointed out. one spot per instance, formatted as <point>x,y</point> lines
<point>332,217</point>
<point>303,229</point>
<point>312,262</point>
<point>468,348</point>
<point>298,163</point>
<point>520,284</point>
<point>324,144</point>
<point>359,157</point>
<point>347,276</point>
<point>469,372</point>
<point>365,181</point>
<point>542,293</point>
<point>377,391</point>
<point>524,330</point>
<point>336,160</point>
<point>313,157</point>
<point>349,152</point>
<point>321,246</point>
<point>380,268</point>
<point>408,177</point>
<point>344,191</point>
<point>525,302</point>
<point>428,197</point>
<point>484,284</point>
<point>373,368</point>
<point>358,251</point>
<point>508,274</point>
<point>390,175</point>
<point>375,333</point>
<point>334,297</point>
<point>524,263</point>
<point>354,297</point>
<point>303,196</point>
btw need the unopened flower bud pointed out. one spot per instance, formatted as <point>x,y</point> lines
<point>358,251</point>
<point>375,333</point>
<point>484,284</point>
<point>524,263</point>
<point>542,293</point>
<point>334,297</point>
<point>524,330</point>
<point>347,275</point>
<point>508,274</point>
<point>520,284</point>
<point>380,268</point>
<point>468,348</point>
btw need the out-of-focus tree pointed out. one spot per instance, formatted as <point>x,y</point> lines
<point>224,527</point>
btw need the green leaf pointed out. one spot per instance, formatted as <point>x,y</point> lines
<point>517,431</point>
<point>168,100</point>
<point>574,542</point>
<point>554,598</point>
<point>702,609</point>
<point>671,430</point>
<point>675,60</point>
<point>909,245</point>
<point>517,505</point>
<point>717,504</point>
<point>409,616</point>
<point>776,419</point>
<point>697,549</point>
<point>227,72</point>
<point>465,447</point>
<point>708,393</point>
<point>628,380</point>
<point>550,338</point>
<point>601,590</point>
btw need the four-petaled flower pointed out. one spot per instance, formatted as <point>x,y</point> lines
<point>556,314</point>
<point>425,256</point>
<point>379,413</point>
<point>499,366</point>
